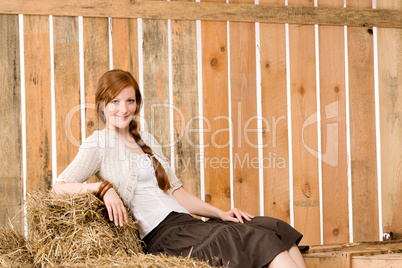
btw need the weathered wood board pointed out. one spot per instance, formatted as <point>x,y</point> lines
<point>390,93</point>
<point>96,63</point>
<point>67,89</point>
<point>274,114</point>
<point>362,130</point>
<point>216,114</point>
<point>38,103</point>
<point>156,81</point>
<point>125,45</point>
<point>11,185</point>
<point>331,44</point>
<point>243,92</point>
<point>221,11</point>
<point>125,48</point>
<point>185,88</point>
<point>304,130</point>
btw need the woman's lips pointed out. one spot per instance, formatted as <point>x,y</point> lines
<point>123,117</point>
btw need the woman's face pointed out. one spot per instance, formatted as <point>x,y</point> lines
<point>120,111</point>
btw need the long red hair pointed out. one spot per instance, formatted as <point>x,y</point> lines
<point>109,86</point>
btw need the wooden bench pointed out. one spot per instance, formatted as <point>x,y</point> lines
<point>356,255</point>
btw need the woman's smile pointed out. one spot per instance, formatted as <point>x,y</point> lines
<point>122,117</point>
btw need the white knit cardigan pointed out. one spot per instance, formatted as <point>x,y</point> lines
<point>104,155</point>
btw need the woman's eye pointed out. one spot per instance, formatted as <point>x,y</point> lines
<point>114,101</point>
<point>131,101</point>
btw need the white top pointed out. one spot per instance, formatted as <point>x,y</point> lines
<point>104,155</point>
<point>132,175</point>
<point>150,204</point>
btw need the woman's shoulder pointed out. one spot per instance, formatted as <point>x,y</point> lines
<point>95,140</point>
<point>148,138</point>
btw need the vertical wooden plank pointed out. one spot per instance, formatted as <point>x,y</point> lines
<point>125,45</point>
<point>67,89</point>
<point>156,81</point>
<point>244,115</point>
<point>216,113</point>
<point>362,129</point>
<point>38,103</point>
<point>304,134</point>
<point>390,89</point>
<point>185,99</point>
<point>11,188</point>
<point>333,131</point>
<point>274,113</point>
<point>96,63</point>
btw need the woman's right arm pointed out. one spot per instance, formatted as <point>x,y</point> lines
<point>61,187</point>
<point>85,164</point>
<point>115,207</point>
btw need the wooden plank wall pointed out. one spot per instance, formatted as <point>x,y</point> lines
<point>390,98</point>
<point>212,83</point>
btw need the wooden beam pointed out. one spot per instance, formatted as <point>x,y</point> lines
<point>374,245</point>
<point>384,18</point>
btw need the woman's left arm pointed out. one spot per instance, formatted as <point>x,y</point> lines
<point>196,206</point>
<point>193,204</point>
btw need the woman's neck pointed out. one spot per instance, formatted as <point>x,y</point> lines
<point>128,140</point>
<point>123,134</point>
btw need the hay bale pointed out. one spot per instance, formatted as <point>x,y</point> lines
<point>140,260</point>
<point>74,231</point>
<point>13,250</point>
<point>74,228</point>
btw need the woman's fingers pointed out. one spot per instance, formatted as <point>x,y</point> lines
<point>122,217</point>
<point>125,214</point>
<point>246,215</point>
<point>110,212</point>
<point>116,210</point>
<point>238,215</point>
<point>249,215</point>
<point>118,214</point>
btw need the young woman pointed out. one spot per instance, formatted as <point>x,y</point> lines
<point>132,164</point>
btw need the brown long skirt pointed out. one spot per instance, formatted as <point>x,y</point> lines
<point>252,244</point>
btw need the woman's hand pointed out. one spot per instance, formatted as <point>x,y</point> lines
<point>197,207</point>
<point>235,215</point>
<point>115,207</point>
